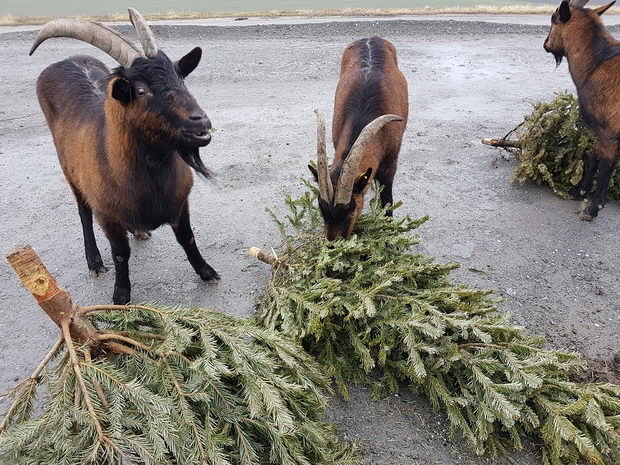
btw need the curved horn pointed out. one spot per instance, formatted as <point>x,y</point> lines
<point>147,39</point>
<point>326,189</point>
<point>102,37</point>
<point>578,3</point>
<point>352,163</point>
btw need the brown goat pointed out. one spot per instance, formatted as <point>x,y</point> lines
<point>125,140</point>
<point>593,56</point>
<point>371,92</point>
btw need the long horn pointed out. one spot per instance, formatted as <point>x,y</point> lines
<point>578,3</point>
<point>352,163</point>
<point>326,189</point>
<point>102,37</point>
<point>147,39</point>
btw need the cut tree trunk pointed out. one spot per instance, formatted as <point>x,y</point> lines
<point>56,302</point>
<point>502,143</point>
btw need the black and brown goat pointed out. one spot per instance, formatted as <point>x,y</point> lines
<point>593,56</point>
<point>125,139</point>
<point>371,93</point>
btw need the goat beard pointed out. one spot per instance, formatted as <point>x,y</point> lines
<point>558,59</point>
<point>192,158</point>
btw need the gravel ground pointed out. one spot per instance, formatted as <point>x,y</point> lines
<point>259,84</point>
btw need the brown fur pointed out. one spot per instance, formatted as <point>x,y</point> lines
<point>381,155</point>
<point>594,62</point>
<point>126,148</point>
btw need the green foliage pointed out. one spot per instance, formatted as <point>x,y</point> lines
<point>554,144</point>
<point>198,388</point>
<point>374,311</point>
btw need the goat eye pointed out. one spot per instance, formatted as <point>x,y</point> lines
<point>140,91</point>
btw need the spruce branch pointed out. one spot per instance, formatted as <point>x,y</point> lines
<point>24,392</point>
<point>170,386</point>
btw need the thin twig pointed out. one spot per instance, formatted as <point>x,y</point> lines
<point>119,348</point>
<point>159,337</point>
<point>120,338</point>
<point>118,308</point>
<point>98,388</point>
<point>66,331</point>
<point>185,410</point>
<point>33,378</point>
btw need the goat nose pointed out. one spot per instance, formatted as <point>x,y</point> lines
<point>197,115</point>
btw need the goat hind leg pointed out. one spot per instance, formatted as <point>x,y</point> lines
<point>581,190</point>
<point>93,256</point>
<point>185,237</point>
<point>607,151</point>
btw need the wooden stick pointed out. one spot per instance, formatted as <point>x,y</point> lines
<point>265,257</point>
<point>502,143</point>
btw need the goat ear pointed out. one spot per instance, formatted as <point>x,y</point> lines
<point>361,182</point>
<point>122,90</point>
<point>602,9</point>
<point>188,63</point>
<point>564,12</point>
<point>314,172</point>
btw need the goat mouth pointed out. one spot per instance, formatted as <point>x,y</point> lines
<point>200,138</point>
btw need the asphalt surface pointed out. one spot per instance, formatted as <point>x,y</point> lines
<point>260,84</point>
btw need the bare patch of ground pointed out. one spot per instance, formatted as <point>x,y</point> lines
<point>260,85</point>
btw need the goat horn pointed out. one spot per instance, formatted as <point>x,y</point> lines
<point>96,34</point>
<point>326,189</point>
<point>352,163</point>
<point>147,39</point>
<point>578,3</point>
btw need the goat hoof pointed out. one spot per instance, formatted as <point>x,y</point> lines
<point>576,193</point>
<point>121,296</point>
<point>97,269</point>
<point>590,211</point>
<point>208,274</point>
<point>142,235</point>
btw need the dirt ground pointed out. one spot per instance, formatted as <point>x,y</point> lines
<point>260,85</point>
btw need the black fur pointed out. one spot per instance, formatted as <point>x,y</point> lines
<point>601,48</point>
<point>365,102</point>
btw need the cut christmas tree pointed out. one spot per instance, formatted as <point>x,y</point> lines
<point>141,384</point>
<point>373,310</point>
<point>551,145</point>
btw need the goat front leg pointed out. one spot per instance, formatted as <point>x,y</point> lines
<point>185,237</point>
<point>386,179</point>
<point>607,152</point>
<point>93,256</point>
<point>117,235</point>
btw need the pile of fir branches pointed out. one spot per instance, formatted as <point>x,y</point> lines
<point>173,386</point>
<point>552,144</point>
<point>373,310</point>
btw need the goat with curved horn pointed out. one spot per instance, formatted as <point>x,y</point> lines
<point>96,34</point>
<point>140,130</point>
<point>145,35</point>
<point>371,93</point>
